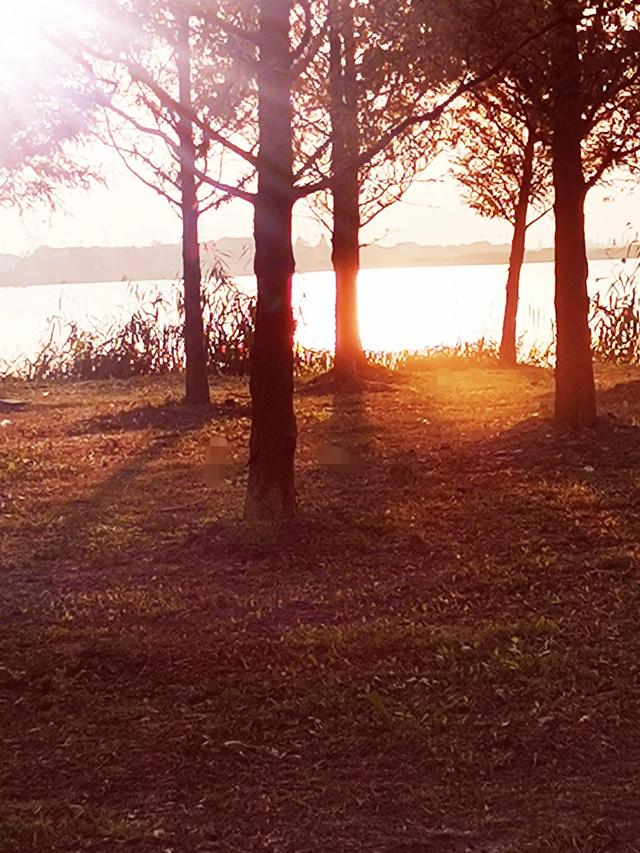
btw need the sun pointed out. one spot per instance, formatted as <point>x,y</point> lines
<point>28,46</point>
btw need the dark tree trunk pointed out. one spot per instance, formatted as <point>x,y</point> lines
<point>197,385</point>
<point>575,385</point>
<point>508,345</point>
<point>345,133</point>
<point>271,492</point>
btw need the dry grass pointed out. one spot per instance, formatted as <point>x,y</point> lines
<point>440,655</point>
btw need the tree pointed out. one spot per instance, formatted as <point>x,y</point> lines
<point>197,390</point>
<point>242,102</point>
<point>362,104</point>
<point>344,115</point>
<point>594,107</point>
<point>280,54</point>
<point>144,70</point>
<point>575,384</point>
<point>36,156</point>
<point>504,168</point>
<point>256,56</point>
<point>385,66</point>
<point>271,491</point>
<point>581,79</point>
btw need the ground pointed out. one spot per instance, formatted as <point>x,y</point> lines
<point>441,654</point>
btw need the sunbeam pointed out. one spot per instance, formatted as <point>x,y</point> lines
<point>29,39</point>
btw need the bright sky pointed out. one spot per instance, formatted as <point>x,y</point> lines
<point>127,213</point>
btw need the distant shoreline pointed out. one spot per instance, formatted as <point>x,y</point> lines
<point>103,265</point>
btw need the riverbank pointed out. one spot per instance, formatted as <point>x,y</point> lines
<point>432,307</point>
<point>441,654</point>
<point>108,264</point>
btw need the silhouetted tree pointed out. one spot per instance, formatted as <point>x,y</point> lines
<point>504,168</point>
<point>363,103</point>
<point>280,60</point>
<point>258,55</point>
<point>344,112</point>
<point>580,78</point>
<point>575,384</point>
<point>271,491</point>
<point>197,385</point>
<point>377,81</point>
<point>144,61</point>
<point>593,112</point>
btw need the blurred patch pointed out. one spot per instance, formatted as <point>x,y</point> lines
<point>217,460</point>
<point>339,459</point>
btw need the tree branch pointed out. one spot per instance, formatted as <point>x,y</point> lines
<point>465,85</point>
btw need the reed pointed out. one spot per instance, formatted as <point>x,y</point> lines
<point>615,314</point>
<point>150,342</point>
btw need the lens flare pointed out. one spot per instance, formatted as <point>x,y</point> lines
<point>29,34</point>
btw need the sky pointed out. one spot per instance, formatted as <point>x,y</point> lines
<point>125,212</point>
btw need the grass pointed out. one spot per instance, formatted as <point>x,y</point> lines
<point>441,654</point>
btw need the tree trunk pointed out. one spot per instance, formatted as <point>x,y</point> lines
<point>345,133</point>
<point>271,492</point>
<point>197,385</point>
<point>575,384</point>
<point>508,345</point>
<point>349,356</point>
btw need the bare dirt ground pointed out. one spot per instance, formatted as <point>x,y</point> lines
<point>441,654</point>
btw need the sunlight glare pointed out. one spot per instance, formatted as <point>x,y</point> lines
<point>26,45</point>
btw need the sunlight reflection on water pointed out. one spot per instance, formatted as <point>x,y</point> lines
<point>400,309</point>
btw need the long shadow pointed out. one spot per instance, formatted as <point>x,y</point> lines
<point>348,446</point>
<point>360,491</point>
<point>359,483</point>
<point>342,458</point>
<point>168,416</point>
<point>537,444</point>
<point>623,397</point>
<point>349,457</point>
<point>72,536</point>
<point>211,666</point>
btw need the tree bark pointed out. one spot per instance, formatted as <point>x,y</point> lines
<point>508,344</point>
<point>271,492</point>
<point>575,385</point>
<point>197,385</point>
<point>345,134</point>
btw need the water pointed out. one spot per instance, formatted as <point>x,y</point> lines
<point>411,308</point>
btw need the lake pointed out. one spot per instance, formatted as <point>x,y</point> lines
<point>400,309</point>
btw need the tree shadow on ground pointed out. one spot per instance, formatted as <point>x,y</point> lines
<point>621,400</point>
<point>537,444</point>
<point>334,664</point>
<point>351,476</point>
<point>623,397</point>
<point>167,417</point>
<point>406,518</point>
<point>372,378</point>
<point>347,446</point>
<point>85,526</point>
<point>145,495</point>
